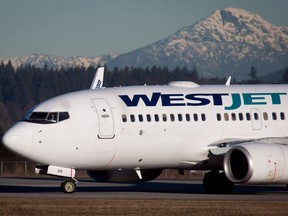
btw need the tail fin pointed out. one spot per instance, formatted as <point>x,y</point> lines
<point>98,79</point>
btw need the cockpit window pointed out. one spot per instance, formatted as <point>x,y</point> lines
<point>46,117</point>
<point>52,117</point>
<point>38,116</point>
<point>63,116</point>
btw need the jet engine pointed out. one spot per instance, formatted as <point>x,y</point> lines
<point>257,162</point>
<point>123,176</point>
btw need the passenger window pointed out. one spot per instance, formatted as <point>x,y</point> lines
<point>203,117</point>
<point>164,117</point>
<point>148,117</point>
<point>140,117</point>
<point>132,118</point>
<point>172,118</point>
<point>265,116</point>
<point>274,116</point>
<point>179,117</point>
<point>218,116</point>
<point>248,116</point>
<point>156,117</point>
<point>195,117</point>
<point>187,117</point>
<point>241,116</point>
<point>124,118</point>
<point>282,116</point>
<point>256,117</point>
<point>226,116</point>
<point>233,116</point>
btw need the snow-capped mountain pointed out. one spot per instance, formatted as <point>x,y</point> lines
<point>41,60</point>
<point>227,42</point>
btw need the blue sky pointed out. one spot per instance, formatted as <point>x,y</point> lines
<point>96,27</point>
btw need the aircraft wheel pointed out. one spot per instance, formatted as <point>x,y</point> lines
<point>225,185</point>
<point>210,182</point>
<point>68,186</point>
<point>215,182</point>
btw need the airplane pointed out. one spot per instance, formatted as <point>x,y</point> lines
<point>236,133</point>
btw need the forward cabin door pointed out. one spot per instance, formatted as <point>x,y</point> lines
<point>105,118</point>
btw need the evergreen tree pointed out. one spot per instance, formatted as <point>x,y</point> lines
<point>284,78</point>
<point>253,76</point>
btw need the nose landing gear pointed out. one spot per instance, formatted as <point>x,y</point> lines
<point>69,185</point>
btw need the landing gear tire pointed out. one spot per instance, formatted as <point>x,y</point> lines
<point>215,182</point>
<point>68,186</point>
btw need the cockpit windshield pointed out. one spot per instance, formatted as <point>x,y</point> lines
<point>46,117</point>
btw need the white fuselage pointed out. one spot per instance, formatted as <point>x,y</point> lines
<point>149,126</point>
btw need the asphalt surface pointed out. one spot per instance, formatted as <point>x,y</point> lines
<point>158,189</point>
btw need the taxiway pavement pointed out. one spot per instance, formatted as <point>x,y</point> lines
<point>158,189</point>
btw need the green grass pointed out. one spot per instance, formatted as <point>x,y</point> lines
<point>50,206</point>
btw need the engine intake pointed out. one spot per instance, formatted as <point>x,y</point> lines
<point>257,162</point>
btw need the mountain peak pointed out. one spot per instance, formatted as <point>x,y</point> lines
<point>237,25</point>
<point>227,42</point>
<point>233,15</point>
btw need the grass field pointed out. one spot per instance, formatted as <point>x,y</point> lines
<point>50,206</point>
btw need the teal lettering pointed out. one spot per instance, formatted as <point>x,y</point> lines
<point>276,97</point>
<point>236,102</point>
<point>202,100</point>
<point>254,99</point>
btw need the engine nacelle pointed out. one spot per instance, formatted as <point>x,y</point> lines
<point>257,162</point>
<point>123,176</point>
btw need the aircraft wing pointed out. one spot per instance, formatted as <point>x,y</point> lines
<point>217,151</point>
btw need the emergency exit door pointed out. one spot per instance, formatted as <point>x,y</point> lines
<point>256,119</point>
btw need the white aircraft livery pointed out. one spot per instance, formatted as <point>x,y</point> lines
<point>238,133</point>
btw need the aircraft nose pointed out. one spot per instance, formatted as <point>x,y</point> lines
<point>19,139</point>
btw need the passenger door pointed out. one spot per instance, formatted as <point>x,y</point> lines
<point>105,118</point>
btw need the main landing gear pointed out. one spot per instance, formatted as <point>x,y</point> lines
<point>217,182</point>
<point>69,185</point>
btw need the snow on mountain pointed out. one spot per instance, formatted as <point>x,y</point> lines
<point>41,60</point>
<point>227,42</point>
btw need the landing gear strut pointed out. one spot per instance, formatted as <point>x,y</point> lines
<point>69,185</point>
<point>216,182</point>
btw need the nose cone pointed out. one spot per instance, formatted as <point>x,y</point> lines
<point>19,139</point>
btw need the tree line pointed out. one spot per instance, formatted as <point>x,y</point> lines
<point>26,86</point>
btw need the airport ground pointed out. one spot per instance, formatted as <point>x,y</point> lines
<point>42,196</point>
<point>169,195</point>
<point>42,206</point>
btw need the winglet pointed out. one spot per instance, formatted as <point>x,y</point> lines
<point>228,82</point>
<point>98,79</point>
